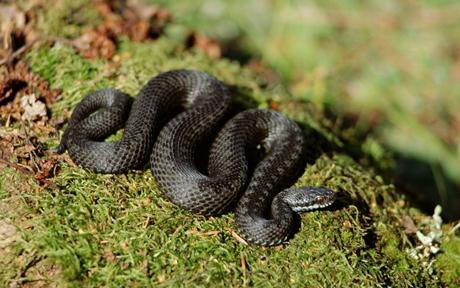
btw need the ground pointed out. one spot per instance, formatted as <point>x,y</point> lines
<point>61,225</point>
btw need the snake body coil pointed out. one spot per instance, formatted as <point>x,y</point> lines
<point>172,118</point>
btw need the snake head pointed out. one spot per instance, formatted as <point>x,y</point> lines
<point>308,198</point>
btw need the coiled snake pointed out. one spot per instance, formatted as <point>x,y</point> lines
<point>172,118</point>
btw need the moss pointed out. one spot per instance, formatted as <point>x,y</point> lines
<point>67,17</point>
<point>118,230</point>
<point>62,67</point>
<point>3,180</point>
<point>16,190</point>
<point>449,261</point>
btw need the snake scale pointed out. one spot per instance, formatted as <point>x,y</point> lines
<point>173,117</point>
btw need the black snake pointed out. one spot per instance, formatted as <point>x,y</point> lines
<point>174,116</point>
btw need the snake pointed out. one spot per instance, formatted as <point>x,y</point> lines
<point>203,158</point>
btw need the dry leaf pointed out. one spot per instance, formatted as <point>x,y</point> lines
<point>409,225</point>
<point>207,45</point>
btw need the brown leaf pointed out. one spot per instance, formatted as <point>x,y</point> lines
<point>139,30</point>
<point>47,168</point>
<point>207,45</point>
<point>110,257</point>
<point>24,151</point>
<point>94,44</point>
<point>135,20</point>
<point>409,225</point>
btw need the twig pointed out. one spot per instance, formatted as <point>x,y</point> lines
<point>17,53</point>
<point>454,229</point>
<point>9,60</point>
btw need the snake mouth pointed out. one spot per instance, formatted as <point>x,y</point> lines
<point>313,207</point>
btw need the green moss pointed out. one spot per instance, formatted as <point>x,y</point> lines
<point>15,204</point>
<point>65,70</point>
<point>118,230</point>
<point>3,180</point>
<point>448,263</point>
<point>67,18</point>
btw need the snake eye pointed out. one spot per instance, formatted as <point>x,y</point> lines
<point>320,199</point>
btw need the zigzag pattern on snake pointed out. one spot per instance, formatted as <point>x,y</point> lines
<point>176,114</point>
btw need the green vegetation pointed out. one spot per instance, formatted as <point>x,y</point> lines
<point>66,18</point>
<point>449,262</point>
<point>91,230</point>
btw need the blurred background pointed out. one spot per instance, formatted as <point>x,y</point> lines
<point>389,70</point>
